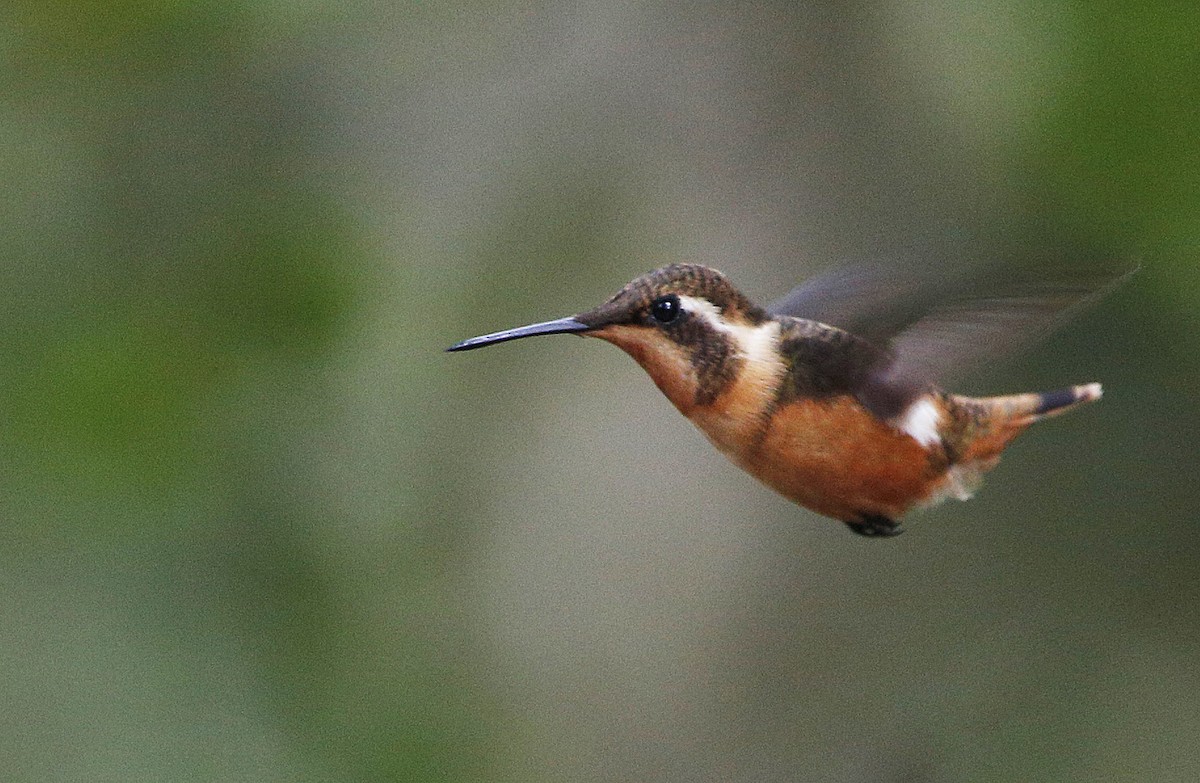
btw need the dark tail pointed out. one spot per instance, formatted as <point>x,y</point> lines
<point>1021,410</point>
<point>997,420</point>
<point>1063,400</point>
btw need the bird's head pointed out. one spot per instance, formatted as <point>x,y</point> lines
<point>685,324</point>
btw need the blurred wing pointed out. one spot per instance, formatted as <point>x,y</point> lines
<point>873,301</point>
<point>953,339</point>
<point>936,330</point>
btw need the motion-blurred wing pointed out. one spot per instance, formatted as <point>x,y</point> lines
<point>871,300</point>
<point>958,337</point>
<point>935,330</point>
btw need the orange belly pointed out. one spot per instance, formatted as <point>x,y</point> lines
<point>836,458</point>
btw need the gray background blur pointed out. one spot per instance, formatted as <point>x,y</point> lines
<point>257,526</point>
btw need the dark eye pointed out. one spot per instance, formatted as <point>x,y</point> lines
<point>665,309</point>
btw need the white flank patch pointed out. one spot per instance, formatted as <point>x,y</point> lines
<point>755,343</point>
<point>920,421</point>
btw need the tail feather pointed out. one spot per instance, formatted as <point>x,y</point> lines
<point>1053,403</point>
<point>1021,410</point>
<point>995,421</point>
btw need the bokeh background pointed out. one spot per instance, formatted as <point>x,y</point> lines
<point>256,526</point>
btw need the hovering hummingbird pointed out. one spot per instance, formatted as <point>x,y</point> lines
<point>820,396</point>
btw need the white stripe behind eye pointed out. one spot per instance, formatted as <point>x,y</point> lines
<point>755,343</point>
<point>703,308</point>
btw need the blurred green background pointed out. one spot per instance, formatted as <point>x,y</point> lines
<point>257,526</point>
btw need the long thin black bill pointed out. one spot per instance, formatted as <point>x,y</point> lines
<point>548,327</point>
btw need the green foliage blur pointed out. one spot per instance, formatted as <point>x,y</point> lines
<point>257,526</point>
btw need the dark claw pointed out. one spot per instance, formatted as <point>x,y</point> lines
<point>876,527</point>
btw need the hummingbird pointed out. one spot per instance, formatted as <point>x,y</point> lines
<point>831,396</point>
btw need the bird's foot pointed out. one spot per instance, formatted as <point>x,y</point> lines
<point>875,526</point>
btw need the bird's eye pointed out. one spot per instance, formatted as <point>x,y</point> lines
<point>665,309</point>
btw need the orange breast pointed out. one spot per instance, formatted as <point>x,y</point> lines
<point>836,458</point>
